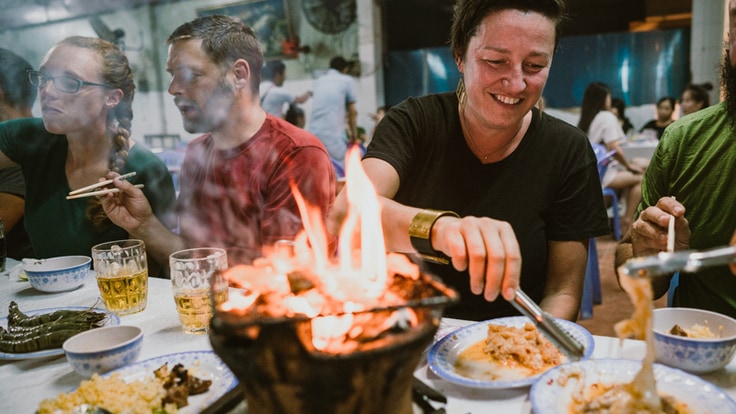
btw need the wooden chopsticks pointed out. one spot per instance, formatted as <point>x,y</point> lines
<point>85,191</point>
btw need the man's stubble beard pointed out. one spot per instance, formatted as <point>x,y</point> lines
<point>218,105</point>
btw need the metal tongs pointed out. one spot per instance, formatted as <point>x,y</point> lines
<point>687,261</point>
<point>548,326</point>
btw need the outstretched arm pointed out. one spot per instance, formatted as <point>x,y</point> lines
<point>487,248</point>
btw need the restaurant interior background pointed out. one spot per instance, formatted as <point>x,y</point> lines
<point>643,49</point>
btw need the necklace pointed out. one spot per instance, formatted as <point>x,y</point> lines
<point>475,148</point>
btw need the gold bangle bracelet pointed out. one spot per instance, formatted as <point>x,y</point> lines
<point>420,234</point>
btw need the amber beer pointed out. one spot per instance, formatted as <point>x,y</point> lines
<point>191,274</point>
<point>195,308</point>
<point>124,294</point>
<point>122,275</point>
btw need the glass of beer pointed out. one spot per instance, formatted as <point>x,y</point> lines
<point>122,275</point>
<point>191,274</point>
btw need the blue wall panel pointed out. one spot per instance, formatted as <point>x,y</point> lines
<point>639,67</point>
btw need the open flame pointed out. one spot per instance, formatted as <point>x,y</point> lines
<point>303,279</point>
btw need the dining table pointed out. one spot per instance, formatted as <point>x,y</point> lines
<point>639,148</point>
<point>26,382</point>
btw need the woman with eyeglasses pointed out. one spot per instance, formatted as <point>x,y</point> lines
<point>85,87</point>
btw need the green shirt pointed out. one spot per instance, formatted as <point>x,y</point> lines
<point>58,226</point>
<point>696,163</point>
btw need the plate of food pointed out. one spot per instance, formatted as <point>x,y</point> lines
<point>40,333</point>
<point>500,353</point>
<point>185,382</point>
<point>578,386</point>
<point>205,365</point>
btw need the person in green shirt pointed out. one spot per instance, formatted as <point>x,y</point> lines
<point>85,87</point>
<point>691,177</point>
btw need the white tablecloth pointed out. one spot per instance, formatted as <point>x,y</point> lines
<point>639,149</point>
<point>24,383</point>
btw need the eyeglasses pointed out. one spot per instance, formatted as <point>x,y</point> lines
<point>61,83</point>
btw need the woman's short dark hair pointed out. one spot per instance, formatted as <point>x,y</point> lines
<point>468,15</point>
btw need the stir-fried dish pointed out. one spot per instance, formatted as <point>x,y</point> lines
<point>164,392</point>
<point>508,353</point>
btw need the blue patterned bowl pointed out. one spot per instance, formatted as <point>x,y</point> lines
<point>58,274</point>
<point>695,355</point>
<point>103,349</point>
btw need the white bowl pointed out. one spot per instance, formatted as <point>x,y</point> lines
<point>103,349</point>
<point>58,274</point>
<point>696,355</point>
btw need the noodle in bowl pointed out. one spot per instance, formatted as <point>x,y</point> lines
<point>556,390</point>
<point>697,355</point>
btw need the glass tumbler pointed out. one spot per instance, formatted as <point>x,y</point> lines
<point>191,274</point>
<point>122,275</point>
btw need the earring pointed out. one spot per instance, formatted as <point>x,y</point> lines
<point>462,97</point>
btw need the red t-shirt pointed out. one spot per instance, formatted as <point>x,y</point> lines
<point>240,199</point>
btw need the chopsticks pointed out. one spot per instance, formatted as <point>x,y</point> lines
<point>671,235</point>
<point>84,191</point>
<point>101,183</point>
<point>100,192</point>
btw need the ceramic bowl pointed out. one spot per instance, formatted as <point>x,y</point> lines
<point>103,349</point>
<point>695,355</point>
<point>58,274</point>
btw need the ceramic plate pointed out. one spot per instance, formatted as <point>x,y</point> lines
<point>112,319</point>
<point>548,396</point>
<point>202,364</point>
<point>445,352</point>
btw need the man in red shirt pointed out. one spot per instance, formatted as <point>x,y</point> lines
<point>235,179</point>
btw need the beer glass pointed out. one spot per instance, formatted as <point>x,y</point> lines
<point>191,274</point>
<point>122,275</point>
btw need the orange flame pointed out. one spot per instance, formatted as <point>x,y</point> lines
<point>356,278</point>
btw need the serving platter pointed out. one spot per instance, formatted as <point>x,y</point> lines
<point>203,364</point>
<point>112,319</point>
<point>548,395</point>
<point>444,354</point>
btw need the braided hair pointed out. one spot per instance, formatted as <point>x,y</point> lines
<point>117,73</point>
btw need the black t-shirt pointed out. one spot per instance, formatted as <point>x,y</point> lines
<point>653,125</point>
<point>547,189</point>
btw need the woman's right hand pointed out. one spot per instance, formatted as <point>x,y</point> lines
<point>487,248</point>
